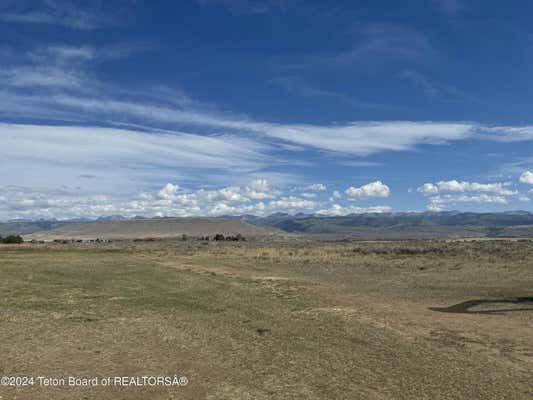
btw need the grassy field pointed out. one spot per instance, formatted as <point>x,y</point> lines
<point>271,319</point>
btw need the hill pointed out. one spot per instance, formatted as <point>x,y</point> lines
<point>405,225</point>
<point>151,228</point>
<point>25,227</point>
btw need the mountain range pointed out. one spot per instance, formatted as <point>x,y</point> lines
<point>365,226</point>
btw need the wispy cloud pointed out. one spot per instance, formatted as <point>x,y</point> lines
<point>384,39</point>
<point>359,164</point>
<point>59,66</point>
<point>247,6</point>
<point>357,138</point>
<point>508,134</point>
<point>88,16</point>
<point>369,45</point>
<point>74,92</point>
<point>299,87</point>
<point>441,92</point>
<point>129,157</point>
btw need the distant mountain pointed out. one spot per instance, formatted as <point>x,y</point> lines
<point>114,218</point>
<point>404,225</point>
<point>369,226</point>
<point>22,227</point>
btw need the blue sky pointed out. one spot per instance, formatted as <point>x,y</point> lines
<point>214,107</point>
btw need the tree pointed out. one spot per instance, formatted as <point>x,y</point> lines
<point>13,239</point>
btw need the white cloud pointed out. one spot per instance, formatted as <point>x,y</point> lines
<point>260,189</point>
<point>369,137</point>
<point>170,200</point>
<point>61,13</point>
<point>527,177</point>
<point>354,138</point>
<point>506,133</point>
<point>464,186</point>
<point>359,138</point>
<point>453,191</point>
<point>292,203</point>
<point>64,52</point>
<point>65,144</point>
<point>438,201</point>
<point>428,188</point>
<point>338,210</point>
<point>49,76</point>
<point>168,192</point>
<point>317,187</point>
<point>76,93</point>
<point>434,207</point>
<point>232,193</point>
<point>373,189</point>
<point>64,153</point>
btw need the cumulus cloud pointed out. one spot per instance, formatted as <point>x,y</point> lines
<point>292,203</point>
<point>527,177</point>
<point>260,189</point>
<point>373,189</point>
<point>453,191</point>
<point>168,192</point>
<point>170,200</point>
<point>317,187</point>
<point>464,186</point>
<point>428,188</point>
<point>437,202</point>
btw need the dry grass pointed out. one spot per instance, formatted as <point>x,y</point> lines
<point>271,319</point>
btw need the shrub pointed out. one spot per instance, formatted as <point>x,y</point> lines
<point>13,239</point>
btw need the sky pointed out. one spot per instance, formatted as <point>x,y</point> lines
<point>231,107</point>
